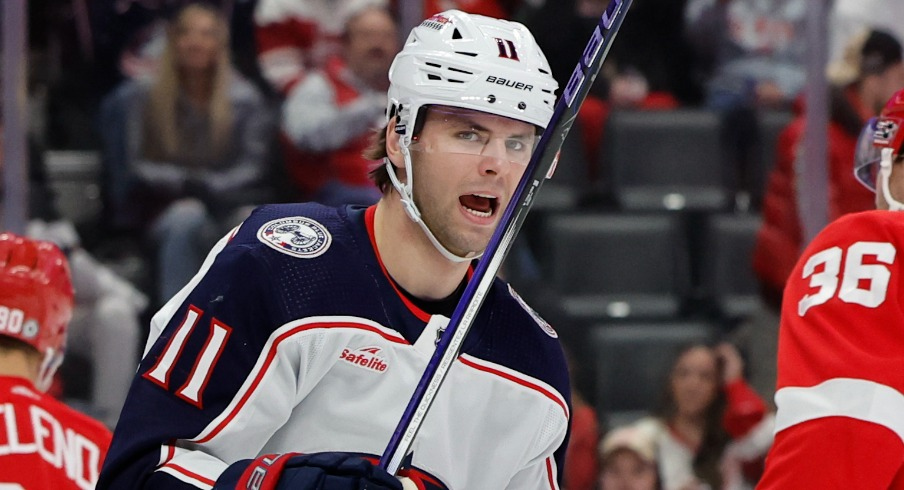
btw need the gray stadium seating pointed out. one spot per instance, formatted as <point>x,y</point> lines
<point>571,180</point>
<point>75,178</point>
<point>771,124</point>
<point>666,160</point>
<point>605,266</point>
<point>632,361</point>
<point>726,264</point>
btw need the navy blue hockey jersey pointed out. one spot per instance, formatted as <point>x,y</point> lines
<point>292,337</point>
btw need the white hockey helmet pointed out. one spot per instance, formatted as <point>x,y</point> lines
<point>467,61</point>
<point>474,62</point>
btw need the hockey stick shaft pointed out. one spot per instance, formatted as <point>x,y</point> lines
<point>541,166</point>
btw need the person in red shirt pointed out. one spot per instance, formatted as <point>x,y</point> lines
<point>43,443</point>
<point>840,390</point>
<point>332,114</point>
<point>861,87</point>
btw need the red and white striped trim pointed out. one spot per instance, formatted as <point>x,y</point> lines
<point>841,397</point>
<point>516,377</point>
<point>194,468</point>
<point>187,476</point>
<point>551,473</point>
<point>268,354</point>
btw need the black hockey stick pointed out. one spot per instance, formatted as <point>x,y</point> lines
<point>541,166</point>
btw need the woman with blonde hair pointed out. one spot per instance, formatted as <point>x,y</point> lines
<point>195,65</point>
<point>187,147</point>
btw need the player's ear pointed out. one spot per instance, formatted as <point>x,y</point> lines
<point>394,145</point>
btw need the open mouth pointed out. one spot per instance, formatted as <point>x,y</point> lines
<point>480,205</point>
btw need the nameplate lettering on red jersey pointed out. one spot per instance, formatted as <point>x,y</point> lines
<point>33,430</point>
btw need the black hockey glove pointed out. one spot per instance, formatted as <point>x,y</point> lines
<point>316,471</point>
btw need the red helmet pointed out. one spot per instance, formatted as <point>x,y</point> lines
<point>36,297</point>
<point>879,133</point>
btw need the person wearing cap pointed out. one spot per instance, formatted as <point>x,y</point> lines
<point>289,359</point>
<point>43,443</point>
<point>840,389</point>
<point>628,459</point>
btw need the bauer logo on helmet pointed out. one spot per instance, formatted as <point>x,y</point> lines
<point>509,83</point>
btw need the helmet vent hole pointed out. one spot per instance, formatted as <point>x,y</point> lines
<point>456,34</point>
<point>541,70</point>
<point>434,65</point>
<point>459,70</point>
<point>466,53</point>
<point>431,76</point>
<point>455,81</point>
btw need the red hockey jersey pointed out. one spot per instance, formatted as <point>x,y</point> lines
<point>45,444</point>
<point>840,392</point>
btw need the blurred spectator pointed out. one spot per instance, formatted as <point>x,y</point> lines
<point>295,36</point>
<point>128,35</point>
<point>749,55</point>
<point>752,51</point>
<point>186,150</point>
<point>849,17</point>
<point>628,458</point>
<point>331,115</point>
<point>869,74</point>
<point>713,430</point>
<point>79,51</point>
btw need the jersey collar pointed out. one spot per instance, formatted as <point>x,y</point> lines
<point>418,312</point>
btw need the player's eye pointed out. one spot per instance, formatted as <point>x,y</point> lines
<point>470,136</point>
<point>515,145</point>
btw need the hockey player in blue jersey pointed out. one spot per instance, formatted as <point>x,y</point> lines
<point>287,361</point>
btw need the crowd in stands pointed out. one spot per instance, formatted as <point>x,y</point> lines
<point>711,430</point>
<point>186,147</point>
<point>201,111</point>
